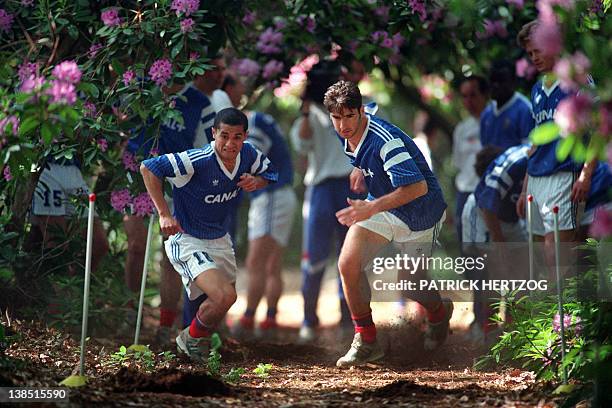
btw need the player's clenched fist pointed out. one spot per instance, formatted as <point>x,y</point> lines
<point>169,225</point>
<point>358,210</point>
<point>249,183</point>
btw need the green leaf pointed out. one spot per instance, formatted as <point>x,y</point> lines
<point>564,389</point>
<point>176,50</point>
<point>117,67</point>
<point>29,124</point>
<point>564,147</point>
<point>215,341</point>
<point>545,133</point>
<point>89,89</point>
<point>74,381</point>
<point>46,131</point>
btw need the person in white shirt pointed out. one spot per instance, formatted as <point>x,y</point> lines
<point>466,141</point>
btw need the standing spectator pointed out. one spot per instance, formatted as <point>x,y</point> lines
<point>508,119</point>
<point>474,92</point>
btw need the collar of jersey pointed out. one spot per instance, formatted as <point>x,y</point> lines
<point>506,105</point>
<point>363,136</point>
<point>223,169</point>
<point>549,90</point>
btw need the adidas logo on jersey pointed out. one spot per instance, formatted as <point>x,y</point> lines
<point>220,198</point>
<point>367,172</point>
<point>215,182</point>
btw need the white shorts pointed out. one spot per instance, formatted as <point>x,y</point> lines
<point>56,187</point>
<point>587,218</point>
<point>395,230</point>
<point>548,192</point>
<point>475,231</point>
<point>271,213</point>
<point>192,256</point>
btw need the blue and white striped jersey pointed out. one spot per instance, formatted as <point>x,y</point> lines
<point>389,159</point>
<point>508,125</point>
<point>195,131</point>
<point>543,162</point>
<point>266,136</point>
<point>601,185</point>
<point>203,189</point>
<point>501,185</point>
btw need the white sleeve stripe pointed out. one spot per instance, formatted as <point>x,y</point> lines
<point>380,131</point>
<point>186,162</point>
<point>390,145</point>
<point>264,166</point>
<point>255,165</point>
<point>175,167</point>
<point>402,157</point>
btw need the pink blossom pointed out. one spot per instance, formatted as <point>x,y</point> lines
<point>272,68</point>
<point>102,145</point>
<point>418,7</point>
<point>307,22</point>
<point>398,40</point>
<point>110,17</point>
<point>269,41</point>
<point>128,77</point>
<point>602,223</point>
<point>187,25</point>
<point>500,28</point>
<point>154,152</point>
<point>279,23</point>
<point>383,13</point>
<point>27,3</point>
<point>517,3</point>
<point>26,70</point>
<point>32,84</point>
<point>193,56</point>
<point>547,37</point>
<point>161,71</point>
<point>573,114</point>
<point>62,92</point>
<point>597,6</point>
<point>525,69</point>
<point>573,71</point>
<point>186,7</point>
<point>11,123</point>
<point>143,205</point>
<point>94,49</point>
<point>605,124</point>
<point>120,199</point>
<point>387,43</point>
<point>129,161</point>
<point>7,173</point>
<point>67,71</point>
<point>379,36</point>
<point>89,109</point>
<point>247,67</point>
<point>249,17</point>
<point>6,21</point>
<point>567,322</point>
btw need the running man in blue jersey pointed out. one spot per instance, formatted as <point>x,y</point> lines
<point>205,182</point>
<point>405,204</point>
<point>552,183</point>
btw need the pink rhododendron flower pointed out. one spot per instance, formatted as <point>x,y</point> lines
<point>272,68</point>
<point>517,3</point>
<point>247,67</point>
<point>6,21</point>
<point>605,124</point>
<point>67,71</point>
<point>143,205</point>
<point>269,41</point>
<point>161,71</point>
<point>525,69</point>
<point>89,110</point>
<point>383,13</point>
<point>128,77</point>
<point>307,22</point>
<point>26,70</point>
<point>9,124</point>
<point>94,49</point>
<point>249,17</point>
<point>110,17</point>
<point>602,223</point>
<point>418,7</point>
<point>379,36</point>
<point>573,71</point>
<point>27,3</point>
<point>7,173</point>
<point>32,84</point>
<point>193,56</point>
<point>129,162</point>
<point>573,114</point>
<point>120,199</point>
<point>398,40</point>
<point>102,145</point>
<point>187,25</point>
<point>62,92</point>
<point>154,152</point>
<point>567,321</point>
<point>279,23</point>
<point>187,7</point>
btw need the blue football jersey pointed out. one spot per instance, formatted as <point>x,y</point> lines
<point>601,185</point>
<point>502,183</point>
<point>508,125</point>
<point>389,159</point>
<point>198,118</point>
<point>266,136</point>
<point>203,189</point>
<point>543,161</point>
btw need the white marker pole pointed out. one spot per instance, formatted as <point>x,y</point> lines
<point>559,289</point>
<point>530,231</point>
<point>90,221</point>
<point>144,278</point>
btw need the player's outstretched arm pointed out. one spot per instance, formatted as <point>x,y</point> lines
<point>168,224</point>
<point>360,210</point>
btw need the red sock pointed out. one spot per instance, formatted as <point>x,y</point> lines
<point>365,325</point>
<point>166,317</point>
<point>269,323</point>
<point>248,322</point>
<point>197,328</point>
<point>437,315</point>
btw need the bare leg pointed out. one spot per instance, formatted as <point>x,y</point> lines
<point>136,232</point>
<point>221,296</point>
<point>257,259</point>
<point>274,282</point>
<point>170,285</point>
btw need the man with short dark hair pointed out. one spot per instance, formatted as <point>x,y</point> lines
<point>205,181</point>
<point>405,205</point>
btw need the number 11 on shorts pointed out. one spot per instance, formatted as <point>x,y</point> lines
<point>202,257</point>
